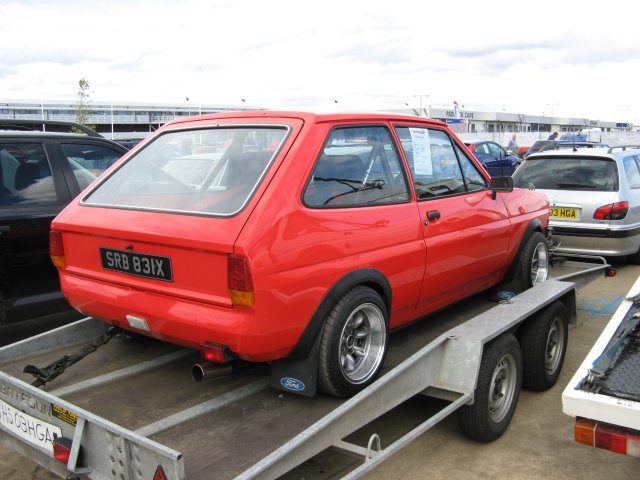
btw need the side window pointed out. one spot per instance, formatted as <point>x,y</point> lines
<point>495,149</point>
<point>88,161</point>
<point>631,169</point>
<point>473,179</point>
<point>25,176</point>
<point>483,148</point>
<point>433,162</point>
<point>358,166</point>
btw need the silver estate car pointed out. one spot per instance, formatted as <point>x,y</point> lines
<point>594,195</point>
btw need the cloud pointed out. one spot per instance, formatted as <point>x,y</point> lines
<point>363,53</point>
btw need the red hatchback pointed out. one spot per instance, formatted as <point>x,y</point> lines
<point>294,238</point>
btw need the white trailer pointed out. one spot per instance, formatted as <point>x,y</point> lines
<point>125,412</point>
<point>604,393</point>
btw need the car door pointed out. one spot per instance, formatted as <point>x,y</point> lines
<point>33,193</point>
<point>500,162</point>
<point>466,229</point>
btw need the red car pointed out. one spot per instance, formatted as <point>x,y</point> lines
<point>295,238</point>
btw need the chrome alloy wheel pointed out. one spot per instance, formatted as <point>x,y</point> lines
<point>503,388</point>
<point>539,264</point>
<point>362,343</point>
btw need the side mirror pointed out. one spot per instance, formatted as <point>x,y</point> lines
<point>501,184</point>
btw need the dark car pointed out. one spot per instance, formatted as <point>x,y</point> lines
<point>494,158</point>
<point>545,145</point>
<point>40,173</point>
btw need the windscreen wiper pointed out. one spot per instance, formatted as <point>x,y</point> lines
<point>575,185</point>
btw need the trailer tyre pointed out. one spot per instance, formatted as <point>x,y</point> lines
<point>497,391</point>
<point>353,343</point>
<point>544,344</point>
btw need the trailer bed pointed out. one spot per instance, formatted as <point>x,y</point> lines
<point>224,427</point>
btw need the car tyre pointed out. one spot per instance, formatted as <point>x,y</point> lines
<point>544,344</point>
<point>533,263</point>
<point>497,391</point>
<point>532,267</point>
<point>353,343</point>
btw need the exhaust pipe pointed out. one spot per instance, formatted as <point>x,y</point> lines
<point>202,372</point>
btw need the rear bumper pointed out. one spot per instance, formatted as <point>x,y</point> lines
<point>602,241</point>
<point>175,320</point>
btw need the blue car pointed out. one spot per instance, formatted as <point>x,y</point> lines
<point>494,158</point>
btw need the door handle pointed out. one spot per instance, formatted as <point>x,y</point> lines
<point>432,216</point>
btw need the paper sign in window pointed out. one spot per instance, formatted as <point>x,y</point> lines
<point>422,163</point>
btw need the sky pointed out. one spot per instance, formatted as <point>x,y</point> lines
<point>568,59</point>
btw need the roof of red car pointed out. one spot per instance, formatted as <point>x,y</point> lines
<point>310,117</point>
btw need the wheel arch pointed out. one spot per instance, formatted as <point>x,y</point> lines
<point>534,226</point>
<point>369,277</point>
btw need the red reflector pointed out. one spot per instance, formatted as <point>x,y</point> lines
<point>213,352</point>
<point>239,275</point>
<point>62,449</point>
<point>159,475</point>
<point>614,211</point>
<point>610,272</point>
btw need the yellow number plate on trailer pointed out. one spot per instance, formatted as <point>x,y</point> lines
<point>561,213</point>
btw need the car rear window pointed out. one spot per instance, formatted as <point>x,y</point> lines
<point>211,171</point>
<point>574,173</point>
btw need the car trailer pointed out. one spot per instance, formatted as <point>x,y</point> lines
<point>126,411</point>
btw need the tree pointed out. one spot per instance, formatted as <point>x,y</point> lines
<point>83,106</point>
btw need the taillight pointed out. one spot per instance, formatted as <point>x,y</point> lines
<point>56,249</point>
<point>613,211</point>
<point>62,449</point>
<point>608,437</point>
<point>239,281</point>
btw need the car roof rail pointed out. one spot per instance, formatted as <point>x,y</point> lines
<point>624,147</point>
<point>41,126</point>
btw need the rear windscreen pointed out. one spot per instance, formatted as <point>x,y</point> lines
<point>210,171</point>
<point>558,173</point>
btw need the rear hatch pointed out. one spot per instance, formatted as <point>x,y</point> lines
<point>171,254</point>
<point>166,219</point>
<point>577,187</point>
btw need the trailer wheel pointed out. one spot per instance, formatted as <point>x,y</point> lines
<point>353,343</point>
<point>544,344</point>
<point>497,391</point>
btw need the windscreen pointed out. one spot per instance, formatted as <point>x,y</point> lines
<point>211,171</point>
<point>574,173</point>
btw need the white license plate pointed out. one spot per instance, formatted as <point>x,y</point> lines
<point>33,430</point>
